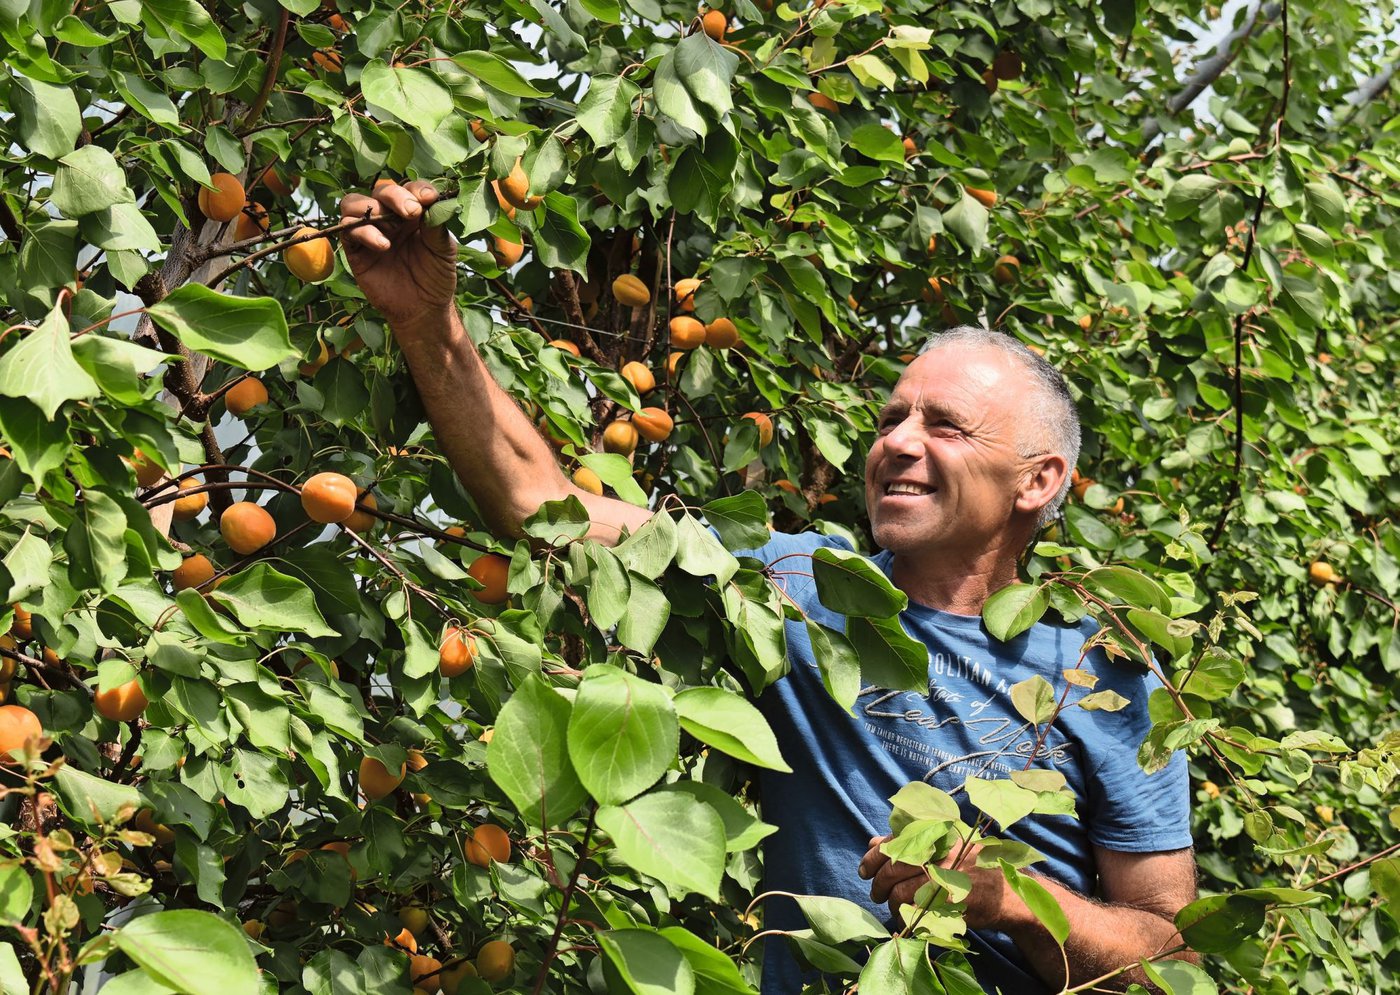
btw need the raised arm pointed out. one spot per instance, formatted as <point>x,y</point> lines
<point>408,271</point>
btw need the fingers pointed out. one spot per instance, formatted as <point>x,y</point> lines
<point>894,876</point>
<point>873,860</point>
<point>389,201</point>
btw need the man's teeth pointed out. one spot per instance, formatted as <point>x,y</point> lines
<point>918,489</point>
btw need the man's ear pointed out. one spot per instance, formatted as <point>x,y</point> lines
<point>1044,477</point>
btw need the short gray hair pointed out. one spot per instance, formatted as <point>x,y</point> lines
<point>1056,417</point>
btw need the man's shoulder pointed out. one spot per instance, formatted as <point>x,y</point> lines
<point>794,544</point>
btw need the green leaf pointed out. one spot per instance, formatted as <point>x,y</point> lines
<point>90,799</point>
<point>191,951</point>
<point>706,68</point>
<point>96,542</point>
<point>16,893</point>
<point>836,920</point>
<point>616,471</point>
<point>741,520</point>
<point>1034,699</point>
<point>265,599</point>
<point>27,563</point>
<point>561,242</point>
<point>878,142</point>
<point>608,588</point>
<point>918,802</point>
<point>497,73</point>
<point>889,656</point>
<point>899,967</point>
<point>1177,977</point>
<point>623,733</point>
<point>700,554</point>
<point>647,963</point>
<point>87,180</point>
<point>558,523</point>
<point>672,96</point>
<point>1129,586</point>
<point>1187,194</point>
<point>414,96</point>
<point>742,831</point>
<point>189,20</point>
<point>648,611</point>
<point>729,723</point>
<point>1039,900</point>
<point>118,366</point>
<point>249,333</point>
<point>1103,701</point>
<point>851,584</point>
<point>41,368</point>
<point>967,221</point>
<point>1220,923</point>
<point>716,973</point>
<point>1002,799</point>
<point>672,836</point>
<point>606,110</point>
<point>839,665</point>
<point>47,118</point>
<point>528,754</point>
<point>649,550</point>
<point>1014,609</point>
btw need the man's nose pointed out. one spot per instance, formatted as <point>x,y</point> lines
<point>904,441</point>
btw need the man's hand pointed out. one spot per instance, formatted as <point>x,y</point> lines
<point>407,270</point>
<point>990,905</point>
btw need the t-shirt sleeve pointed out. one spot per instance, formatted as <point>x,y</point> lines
<point>784,544</point>
<point>1130,810</point>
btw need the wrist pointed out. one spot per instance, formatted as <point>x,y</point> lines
<point>431,324</point>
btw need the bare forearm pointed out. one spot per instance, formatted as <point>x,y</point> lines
<point>501,459</point>
<point>1102,939</point>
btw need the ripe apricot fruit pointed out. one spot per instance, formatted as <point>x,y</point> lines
<point>566,345</point>
<point>225,201</point>
<point>586,479</point>
<point>376,781</point>
<point>148,472</point>
<point>641,378</point>
<point>507,253</point>
<point>685,292</point>
<point>515,188</point>
<point>329,61</point>
<point>765,426</point>
<point>189,506</point>
<point>620,437</point>
<point>495,961</point>
<point>479,131</point>
<point>1007,65</point>
<point>630,291</point>
<point>277,186</point>
<point>452,977</point>
<point>251,222</point>
<point>910,150</point>
<point>457,652</point>
<point>823,103</point>
<point>145,821</point>
<point>247,527</point>
<point>1321,572</point>
<point>244,396</point>
<point>329,497</point>
<point>505,205</point>
<point>1086,322</point>
<point>338,23</point>
<point>405,940</point>
<point>22,628</point>
<point>987,198</point>
<point>714,24</point>
<point>363,521</point>
<point>1006,269</point>
<point>17,725</point>
<point>425,973</point>
<point>492,571</point>
<point>253,928</point>
<point>310,261</point>
<point>311,367</point>
<point>673,363</point>
<point>414,919</point>
<point>721,334</point>
<point>122,703</point>
<point>686,332</point>
<point>193,571</point>
<point>488,842</point>
<point>653,424</point>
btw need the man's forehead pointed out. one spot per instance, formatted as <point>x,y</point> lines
<point>955,375</point>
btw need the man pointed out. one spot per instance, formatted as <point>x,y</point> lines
<point>973,455</point>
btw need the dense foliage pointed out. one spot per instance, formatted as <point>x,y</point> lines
<point>1205,244</point>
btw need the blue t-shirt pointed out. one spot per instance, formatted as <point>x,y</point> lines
<point>845,768</point>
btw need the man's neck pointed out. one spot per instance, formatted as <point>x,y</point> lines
<point>953,584</point>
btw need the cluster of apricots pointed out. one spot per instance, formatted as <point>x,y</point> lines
<point>309,257</point>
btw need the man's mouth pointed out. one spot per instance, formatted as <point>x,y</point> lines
<point>909,488</point>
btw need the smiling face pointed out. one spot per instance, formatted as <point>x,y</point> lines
<point>946,478</point>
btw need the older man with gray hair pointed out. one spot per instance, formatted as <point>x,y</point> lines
<point>973,455</point>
